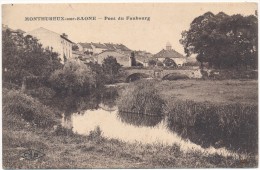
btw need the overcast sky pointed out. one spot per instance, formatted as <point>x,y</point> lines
<point>167,21</point>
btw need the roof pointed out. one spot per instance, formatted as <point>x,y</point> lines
<point>86,45</point>
<point>122,47</point>
<point>66,39</point>
<point>44,29</point>
<point>168,53</point>
<point>77,52</point>
<point>20,31</point>
<point>99,45</point>
<point>110,46</point>
<point>105,51</point>
<point>142,58</point>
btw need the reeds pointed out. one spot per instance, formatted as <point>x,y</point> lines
<point>142,98</point>
<point>233,125</point>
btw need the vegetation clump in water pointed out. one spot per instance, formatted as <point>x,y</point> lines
<point>142,98</point>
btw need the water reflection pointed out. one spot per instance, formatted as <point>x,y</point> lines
<point>99,98</point>
<point>155,132</point>
<point>85,113</point>
<point>212,137</point>
<point>139,119</point>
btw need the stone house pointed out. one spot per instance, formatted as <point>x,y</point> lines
<point>56,42</point>
<point>178,58</point>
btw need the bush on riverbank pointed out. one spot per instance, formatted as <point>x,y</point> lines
<point>141,98</point>
<point>175,76</point>
<point>42,93</point>
<point>74,77</point>
<point>215,124</point>
<point>18,104</point>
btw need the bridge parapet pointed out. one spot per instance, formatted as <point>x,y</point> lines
<point>160,73</point>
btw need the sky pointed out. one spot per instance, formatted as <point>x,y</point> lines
<point>167,21</point>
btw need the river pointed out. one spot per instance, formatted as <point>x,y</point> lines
<point>101,111</point>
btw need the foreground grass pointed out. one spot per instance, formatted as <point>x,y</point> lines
<point>75,151</point>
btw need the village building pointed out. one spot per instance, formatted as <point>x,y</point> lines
<point>54,41</point>
<point>97,52</point>
<point>85,48</point>
<point>98,48</point>
<point>142,57</point>
<point>178,58</point>
<point>122,59</point>
<point>110,46</point>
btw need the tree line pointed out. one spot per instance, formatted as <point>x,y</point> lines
<point>223,41</point>
<point>24,56</point>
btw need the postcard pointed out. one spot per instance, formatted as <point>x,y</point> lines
<point>130,85</point>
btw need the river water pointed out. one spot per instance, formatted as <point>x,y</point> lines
<point>129,127</point>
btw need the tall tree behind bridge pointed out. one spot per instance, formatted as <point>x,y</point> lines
<point>111,68</point>
<point>223,41</point>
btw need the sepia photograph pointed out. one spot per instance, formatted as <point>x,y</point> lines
<point>130,85</point>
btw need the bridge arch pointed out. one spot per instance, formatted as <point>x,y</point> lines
<point>136,76</point>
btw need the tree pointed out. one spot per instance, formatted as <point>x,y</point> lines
<point>159,63</point>
<point>75,47</point>
<point>88,52</point>
<point>111,68</point>
<point>98,73</point>
<point>133,60</point>
<point>223,41</point>
<point>152,62</point>
<point>24,56</point>
<point>169,62</point>
<point>73,77</point>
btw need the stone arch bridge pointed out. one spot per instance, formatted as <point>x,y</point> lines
<point>133,74</point>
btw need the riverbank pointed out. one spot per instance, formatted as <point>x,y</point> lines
<point>220,115</point>
<point>67,150</point>
<point>64,149</point>
<point>215,91</point>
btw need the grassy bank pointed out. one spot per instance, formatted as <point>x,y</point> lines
<point>197,118</point>
<point>95,151</point>
<point>215,91</point>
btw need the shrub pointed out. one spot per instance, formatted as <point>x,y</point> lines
<point>17,103</point>
<point>159,64</point>
<point>73,77</point>
<point>41,92</point>
<point>142,97</point>
<point>95,134</point>
<point>175,76</point>
<point>61,131</point>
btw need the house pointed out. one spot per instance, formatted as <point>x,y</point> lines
<point>98,48</point>
<point>110,46</point>
<point>85,48</point>
<point>54,41</point>
<point>122,59</point>
<point>178,58</point>
<point>142,57</point>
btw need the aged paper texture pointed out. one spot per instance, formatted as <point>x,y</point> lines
<point>130,85</point>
